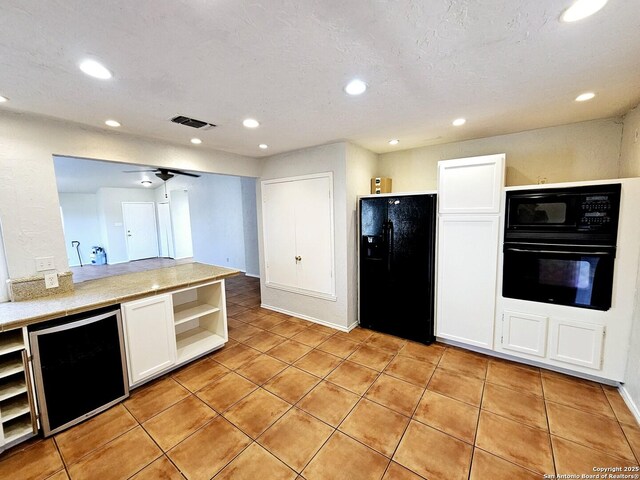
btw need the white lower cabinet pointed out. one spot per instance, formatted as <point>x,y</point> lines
<point>578,343</point>
<point>467,258</point>
<point>165,331</point>
<point>525,333</point>
<point>149,336</point>
<point>556,341</point>
<point>18,416</point>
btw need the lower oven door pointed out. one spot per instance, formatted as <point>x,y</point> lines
<point>578,276</point>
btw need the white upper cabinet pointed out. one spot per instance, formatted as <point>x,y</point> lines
<point>298,233</point>
<point>471,185</point>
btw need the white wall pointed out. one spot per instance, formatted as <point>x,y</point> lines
<point>181,223</point>
<point>4,274</point>
<point>362,165</point>
<point>80,215</point>
<point>250,226</point>
<point>216,211</point>
<point>29,208</point>
<point>630,148</point>
<point>578,151</point>
<point>110,215</point>
<point>325,158</point>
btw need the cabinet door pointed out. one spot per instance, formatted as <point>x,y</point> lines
<point>576,342</point>
<point>314,235</point>
<point>524,333</point>
<point>279,232</point>
<point>471,185</point>
<point>467,264</point>
<point>298,234</point>
<point>149,336</point>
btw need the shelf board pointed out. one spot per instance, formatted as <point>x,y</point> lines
<point>18,429</point>
<point>12,388</point>
<point>195,342</point>
<point>192,310</point>
<point>11,343</point>
<point>14,408</point>
<point>10,366</point>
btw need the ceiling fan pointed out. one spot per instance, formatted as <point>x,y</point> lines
<point>164,173</point>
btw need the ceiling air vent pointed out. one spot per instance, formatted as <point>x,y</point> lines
<point>192,122</point>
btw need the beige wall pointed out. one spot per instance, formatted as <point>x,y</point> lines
<point>325,158</point>
<point>630,149</point>
<point>630,167</point>
<point>29,207</point>
<point>361,166</point>
<point>579,151</point>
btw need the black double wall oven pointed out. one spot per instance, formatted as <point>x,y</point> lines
<point>560,245</point>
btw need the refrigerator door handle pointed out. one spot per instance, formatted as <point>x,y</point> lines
<point>389,245</point>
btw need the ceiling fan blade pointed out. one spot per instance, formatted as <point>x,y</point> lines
<point>137,171</point>
<point>180,172</point>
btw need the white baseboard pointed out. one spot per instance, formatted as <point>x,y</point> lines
<point>114,263</point>
<point>624,393</point>
<point>526,361</point>
<point>251,275</point>
<point>311,319</point>
<point>352,326</point>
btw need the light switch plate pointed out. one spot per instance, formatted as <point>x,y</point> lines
<point>51,280</point>
<point>44,263</point>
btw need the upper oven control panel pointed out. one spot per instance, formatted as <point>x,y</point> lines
<point>596,210</point>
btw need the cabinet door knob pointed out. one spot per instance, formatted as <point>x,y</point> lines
<point>298,258</point>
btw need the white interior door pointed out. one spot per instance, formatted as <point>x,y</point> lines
<point>140,229</point>
<point>165,232</point>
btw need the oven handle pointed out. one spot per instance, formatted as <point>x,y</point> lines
<point>567,252</point>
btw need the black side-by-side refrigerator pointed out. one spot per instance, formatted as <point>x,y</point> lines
<point>397,256</point>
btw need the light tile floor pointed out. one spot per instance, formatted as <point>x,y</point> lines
<point>287,399</point>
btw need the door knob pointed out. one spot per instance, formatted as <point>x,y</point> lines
<point>298,258</point>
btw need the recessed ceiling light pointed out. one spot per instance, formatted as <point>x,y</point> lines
<point>459,121</point>
<point>250,123</point>
<point>263,146</point>
<point>355,87</point>
<point>3,99</point>
<point>95,69</point>
<point>112,123</point>
<point>196,141</point>
<point>395,141</point>
<point>582,9</point>
<point>146,183</point>
<point>585,96</point>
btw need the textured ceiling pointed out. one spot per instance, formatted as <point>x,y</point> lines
<point>504,65</point>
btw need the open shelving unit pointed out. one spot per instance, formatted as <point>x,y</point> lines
<point>199,319</point>
<point>17,409</point>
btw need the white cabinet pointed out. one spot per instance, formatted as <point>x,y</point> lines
<point>471,185</point>
<point>525,333</point>
<point>199,319</point>
<point>298,234</point>
<point>579,343</point>
<point>467,267</point>
<point>164,331</point>
<point>149,336</point>
<point>17,406</point>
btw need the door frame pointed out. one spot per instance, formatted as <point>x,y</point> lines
<point>171,246</point>
<point>290,288</point>
<point>155,222</point>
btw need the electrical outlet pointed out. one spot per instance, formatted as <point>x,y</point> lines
<point>44,263</point>
<point>51,280</point>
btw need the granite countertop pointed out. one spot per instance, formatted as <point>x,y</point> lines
<point>107,291</point>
